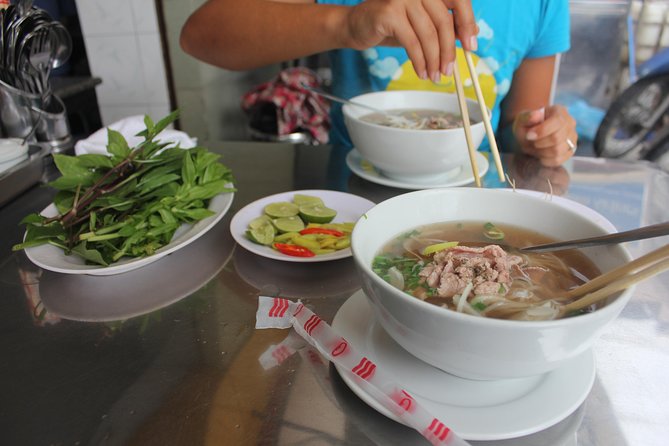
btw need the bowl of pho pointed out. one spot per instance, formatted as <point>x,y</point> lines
<point>418,138</point>
<point>443,275</point>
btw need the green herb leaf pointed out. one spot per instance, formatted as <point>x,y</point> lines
<point>117,145</point>
<point>131,202</point>
<point>91,255</point>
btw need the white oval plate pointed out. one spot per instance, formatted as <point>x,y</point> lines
<point>84,297</point>
<point>475,410</point>
<point>366,170</point>
<point>349,207</point>
<point>54,259</point>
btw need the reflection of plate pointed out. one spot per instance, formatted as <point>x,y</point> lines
<point>122,296</point>
<point>475,410</point>
<point>297,280</point>
<point>366,170</point>
<point>53,259</point>
<point>349,208</point>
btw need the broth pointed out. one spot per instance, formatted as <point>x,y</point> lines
<point>416,118</point>
<point>500,283</point>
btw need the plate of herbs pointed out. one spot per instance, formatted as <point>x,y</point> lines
<point>118,212</point>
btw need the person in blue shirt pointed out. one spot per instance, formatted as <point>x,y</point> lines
<point>409,44</point>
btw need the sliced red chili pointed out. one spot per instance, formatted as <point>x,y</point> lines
<point>294,250</point>
<point>322,231</point>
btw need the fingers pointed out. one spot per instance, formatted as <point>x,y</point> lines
<point>424,26</point>
<point>427,29</point>
<point>465,23</point>
<point>430,39</point>
<point>534,117</point>
<point>547,140</point>
<point>443,21</point>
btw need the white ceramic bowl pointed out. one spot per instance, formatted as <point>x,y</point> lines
<point>469,346</point>
<point>413,155</point>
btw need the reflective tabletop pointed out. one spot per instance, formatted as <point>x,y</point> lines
<point>168,354</point>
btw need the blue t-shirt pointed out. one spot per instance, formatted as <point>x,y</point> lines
<point>509,31</point>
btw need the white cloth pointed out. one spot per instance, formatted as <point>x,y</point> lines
<point>129,127</point>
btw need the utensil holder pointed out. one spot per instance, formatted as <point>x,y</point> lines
<point>16,117</point>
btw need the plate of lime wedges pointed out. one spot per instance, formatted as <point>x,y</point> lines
<point>300,226</point>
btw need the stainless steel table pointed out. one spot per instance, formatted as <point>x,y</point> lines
<point>168,354</point>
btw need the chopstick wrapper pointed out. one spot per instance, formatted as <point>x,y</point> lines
<point>283,313</point>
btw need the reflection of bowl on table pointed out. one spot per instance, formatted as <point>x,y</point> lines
<point>12,152</point>
<point>479,347</point>
<point>412,155</point>
<point>122,296</point>
<point>297,280</point>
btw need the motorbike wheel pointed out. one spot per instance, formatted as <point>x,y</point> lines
<point>626,128</point>
<point>659,154</point>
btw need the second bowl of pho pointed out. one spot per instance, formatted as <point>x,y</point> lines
<point>441,272</point>
<point>419,139</point>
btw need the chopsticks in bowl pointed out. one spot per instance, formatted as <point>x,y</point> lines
<point>618,279</point>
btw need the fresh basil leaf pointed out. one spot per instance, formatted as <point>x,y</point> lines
<point>92,255</point>
<point>95,161</point>
<point>194,214</point>
<point>167,120</point>
<point>117,145</point>
<point>156,182</point>
<point>32,218</point>
<point>162,229</point>
<point>167,216</point>
<point>188,169</point>
<point>43,233</point>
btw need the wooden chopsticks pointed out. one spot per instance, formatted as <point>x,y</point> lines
<point>464,112</point>
<point>618,279</point>
<point>462,101</point>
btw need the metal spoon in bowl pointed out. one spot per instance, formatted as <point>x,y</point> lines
<point>645,232</point>
<point>397,119</point>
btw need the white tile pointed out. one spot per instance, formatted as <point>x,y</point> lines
<point>144,16</point>
<point>104,17</point>
<point>116,60</point>
<point>158,111</point>
<point>153,68</point>
<point>112,113</point>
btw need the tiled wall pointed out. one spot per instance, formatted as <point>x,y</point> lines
<point>123,48</point>
<point>208,97</point>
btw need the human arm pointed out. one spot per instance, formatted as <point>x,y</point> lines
<point>529,122</point>
<point>240,35</point>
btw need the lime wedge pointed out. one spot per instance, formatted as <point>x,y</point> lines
<point>431,249</point>
<point>263,235</point>
<point>301,199</point>
<point>281,209</point>
<point>260,221</point>
<point>317,213</point>
<point>289,224</point>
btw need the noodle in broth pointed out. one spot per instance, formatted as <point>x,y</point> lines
<point>416,119</point>
<point>469,271</point>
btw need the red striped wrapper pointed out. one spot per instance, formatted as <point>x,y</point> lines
<point>282,313</point>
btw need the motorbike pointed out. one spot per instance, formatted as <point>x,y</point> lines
<point>636,125</point>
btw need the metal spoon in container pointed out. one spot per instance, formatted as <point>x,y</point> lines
<point>645,232</point>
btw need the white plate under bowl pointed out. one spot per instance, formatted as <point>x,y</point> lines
<point>54,259</point>
<point>369,172</point>
<point>475,410</point>
<point>349,208</point>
